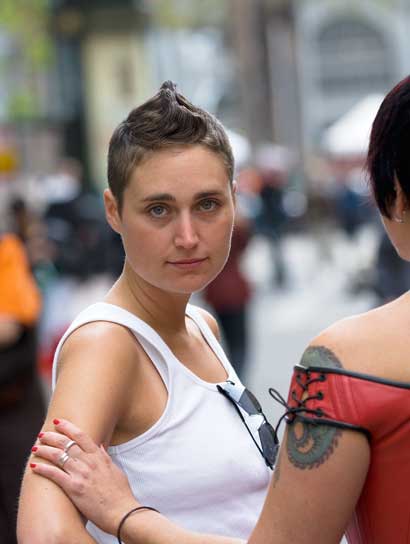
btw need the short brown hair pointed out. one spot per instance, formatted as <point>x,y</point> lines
<point>165,120</point>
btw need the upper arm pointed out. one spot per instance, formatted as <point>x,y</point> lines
<point>91,392</point>
<point>96,369</point>
<point>316,484</point>
<point>211,322</point>
<point>321,468</point>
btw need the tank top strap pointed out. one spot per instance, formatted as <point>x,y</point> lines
<point>195,314</point>
<point>153,345</point>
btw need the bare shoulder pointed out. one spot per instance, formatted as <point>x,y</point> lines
<point>335,346</point>
<point>211,322</point>
<point>100,341</point>
<point>96,372</point>
<point>373,342</point>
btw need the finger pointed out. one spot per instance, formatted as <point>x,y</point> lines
<point>57,440</point>
<point>48,453</point>
<point>75,433</point>
<point>56,475</point>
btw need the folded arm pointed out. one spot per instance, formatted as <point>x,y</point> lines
<point>90,391</point>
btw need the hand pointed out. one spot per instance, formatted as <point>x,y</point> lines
<point>96,486</point>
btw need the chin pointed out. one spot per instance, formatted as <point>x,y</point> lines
<point>403,253</point>
<point>189,287</point>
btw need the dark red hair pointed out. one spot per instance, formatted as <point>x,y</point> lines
<point>389,148</point>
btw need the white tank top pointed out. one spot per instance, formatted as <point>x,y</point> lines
<point>197,464</point>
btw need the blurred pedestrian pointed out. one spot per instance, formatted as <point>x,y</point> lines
<point>76,223</point>
<point>392,274</point>
<point>229,296</point>
<point>272,220</point>
<point>350,206</point>
<point>21,401</point>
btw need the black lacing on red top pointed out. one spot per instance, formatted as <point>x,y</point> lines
<point>301,403</point>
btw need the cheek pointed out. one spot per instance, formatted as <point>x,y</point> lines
<point>224,238</point>
<point>399,237</point>
<point>222,233</point>
<point>137,245</point>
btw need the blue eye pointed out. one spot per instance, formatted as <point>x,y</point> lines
<point>208,205</point>
<point>157,211</point>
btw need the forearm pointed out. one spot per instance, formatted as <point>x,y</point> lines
<point>152,528</point>
<point>47,515</point>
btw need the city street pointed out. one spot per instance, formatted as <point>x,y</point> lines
<point>284,321</point>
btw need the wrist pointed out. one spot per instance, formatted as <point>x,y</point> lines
<point>117,514</point>
<point>135,525</point>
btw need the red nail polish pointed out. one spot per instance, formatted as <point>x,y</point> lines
<point>56,421</point>
<point>41,435</point>
<point>33,465</point>
<point>34,448</point>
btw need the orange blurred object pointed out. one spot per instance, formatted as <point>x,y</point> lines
<point>20,297</point>
<point>8,161</point>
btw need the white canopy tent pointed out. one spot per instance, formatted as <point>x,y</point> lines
<point>349,135</point>
<point>241,148</point>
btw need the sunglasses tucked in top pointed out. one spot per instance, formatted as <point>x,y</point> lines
<point>250,411</point>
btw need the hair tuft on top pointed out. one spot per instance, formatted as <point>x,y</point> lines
<point>165,120</point>
<point>170,85</point>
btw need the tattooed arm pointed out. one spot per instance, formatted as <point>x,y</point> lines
<point>317,480</point>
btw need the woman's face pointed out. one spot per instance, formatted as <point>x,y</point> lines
<point>177,218</point>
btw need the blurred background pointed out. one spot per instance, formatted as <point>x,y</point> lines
<point>296,83</point>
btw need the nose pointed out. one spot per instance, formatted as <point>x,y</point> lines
<point>186,236</point>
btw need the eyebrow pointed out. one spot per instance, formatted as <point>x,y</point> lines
<point>169,198</point>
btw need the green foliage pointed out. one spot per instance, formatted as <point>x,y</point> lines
<point>22,105</point>
<point>27,23</point>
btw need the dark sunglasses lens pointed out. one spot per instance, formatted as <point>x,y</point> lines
<point>269,442</point>
<point>249,403</point>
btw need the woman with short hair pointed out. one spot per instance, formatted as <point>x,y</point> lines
<point>143,371</point>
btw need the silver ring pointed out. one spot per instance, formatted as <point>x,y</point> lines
<point>69,444</point>
<point>63,459</point>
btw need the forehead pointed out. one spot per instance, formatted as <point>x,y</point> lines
<point>176,169</point>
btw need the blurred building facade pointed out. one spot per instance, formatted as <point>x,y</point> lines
<point>326,55</point>
<point>275,70</point>
<point>121,55</point>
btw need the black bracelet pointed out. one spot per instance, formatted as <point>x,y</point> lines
<point>127,515</point>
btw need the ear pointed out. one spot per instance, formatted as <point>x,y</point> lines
<point>111,211</point>
<point>401,205</point>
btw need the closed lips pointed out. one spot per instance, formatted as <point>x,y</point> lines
<point>187,261</point>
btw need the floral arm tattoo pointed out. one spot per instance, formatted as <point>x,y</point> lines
<point>310,445</point>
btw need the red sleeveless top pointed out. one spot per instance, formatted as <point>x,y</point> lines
<point>380,409</point>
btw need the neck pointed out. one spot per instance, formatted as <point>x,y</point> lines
<point>162,310</point>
